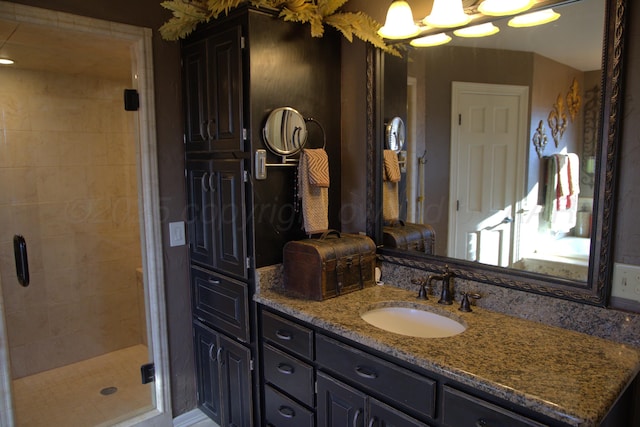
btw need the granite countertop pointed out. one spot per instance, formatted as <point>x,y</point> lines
<point>569,376</point>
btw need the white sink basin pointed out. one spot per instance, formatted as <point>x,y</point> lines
<point>412,322</point>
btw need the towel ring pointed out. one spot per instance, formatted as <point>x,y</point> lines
<point>324,135</point>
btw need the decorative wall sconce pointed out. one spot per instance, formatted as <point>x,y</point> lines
<point>574,100</point>
<point>557,120</point>
<point>540,139</point>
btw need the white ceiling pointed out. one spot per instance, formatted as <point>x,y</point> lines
<point>575,39</point>
<point>37,47</point>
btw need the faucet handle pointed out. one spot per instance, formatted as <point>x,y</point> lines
<point>465,305</point>
<point>422,293</point>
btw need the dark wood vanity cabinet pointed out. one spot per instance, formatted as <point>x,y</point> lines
<point>237,69</point>
<point>288,372</point>
<point>342,405</point>
<point>312,379</point>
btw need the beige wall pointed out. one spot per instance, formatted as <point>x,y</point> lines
<point>68,184</point>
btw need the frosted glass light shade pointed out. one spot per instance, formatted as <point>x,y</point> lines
<point>447,14</point>
<point>434,40</point>
<point>504,7</point>
<point>399,23</point>
<point>534,18</point>
<point>482,30</point>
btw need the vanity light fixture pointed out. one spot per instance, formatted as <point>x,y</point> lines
<point>429,41</point>
<point>399,23</point>
<point>504,7</point>
<point>535,18</point>
<point>6,61</point>
<point>482,30</point>
<point>447,14</point>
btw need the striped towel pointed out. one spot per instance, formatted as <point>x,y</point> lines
<point>315,198</point>
<point>390,205</point>
<point>317,167</point>
<point>391,166</point>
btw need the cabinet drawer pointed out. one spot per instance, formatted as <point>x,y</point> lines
<point>461,409</point>
<point>221,302</point>
<point>394,384</point>
<point>288,374</point>
<point>287,335</point>
<point>280,411</point>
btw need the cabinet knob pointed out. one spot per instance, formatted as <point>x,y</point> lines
<point>481,423</point>
<point>212,185</point>
<point>202,131</point>
<point>285,368</point>
<point>203,182</point>
<point>220,361</point>
<point>284,335</point>
<point>365,372</point>
<point>287,411</point>
<point>356,417</point>
<point>209,128</point>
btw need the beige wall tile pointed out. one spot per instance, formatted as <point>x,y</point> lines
<point>68,182</point>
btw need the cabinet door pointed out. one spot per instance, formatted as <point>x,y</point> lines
<point>224,82</point>
<point>207,371</point>
<point>229,217</point>
<point>235,363</point>
<point>194,67</point>
<point>199,211</point>
<point>382,415</point>
<point>338,404</point>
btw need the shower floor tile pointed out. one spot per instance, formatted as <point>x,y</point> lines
<point>71,396</point>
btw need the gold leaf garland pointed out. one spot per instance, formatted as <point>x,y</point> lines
<point>187,14</point>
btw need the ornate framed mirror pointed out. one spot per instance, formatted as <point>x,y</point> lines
<point>594,288</point>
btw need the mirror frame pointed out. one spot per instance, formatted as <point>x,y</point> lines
<point>596,290</point>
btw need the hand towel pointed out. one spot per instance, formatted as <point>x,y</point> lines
<point>318,167</point>
<point>391,166</point>
<point>560,210</point>
<point>390,203</point>
<point>315,198</point>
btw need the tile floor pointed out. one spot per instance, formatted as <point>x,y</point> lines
<point>70,396</point>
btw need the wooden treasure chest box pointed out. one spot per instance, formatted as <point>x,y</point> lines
<point>328,266</point>
<point>410,237</point>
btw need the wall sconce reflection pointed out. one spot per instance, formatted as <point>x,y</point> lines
<point>574,100</point>
<point>557,120</point>
<point>540,139</point>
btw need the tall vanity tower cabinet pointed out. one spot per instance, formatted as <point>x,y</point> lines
<point>236,69</point>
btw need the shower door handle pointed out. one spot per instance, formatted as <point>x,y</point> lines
<point>22,261</point>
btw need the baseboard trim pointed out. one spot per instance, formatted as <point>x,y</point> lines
<point>192,419</point>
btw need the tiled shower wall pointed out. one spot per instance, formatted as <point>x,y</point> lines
<point>68,185</point>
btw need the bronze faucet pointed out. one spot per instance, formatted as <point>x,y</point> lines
<point>447,283</point>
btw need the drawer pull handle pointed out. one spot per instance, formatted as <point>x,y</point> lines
<point>214,282</point>
<point>285,368</point>
<point>284,335</point>
<point>356,416</point>
<point>203,182</point>
<point>287,412</point>
<point>367,373</point>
